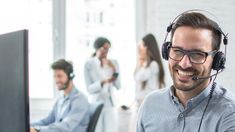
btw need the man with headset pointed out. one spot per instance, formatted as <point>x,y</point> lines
<point>194,102</point>
<point>70,112</point>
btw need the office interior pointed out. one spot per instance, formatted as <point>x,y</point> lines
<point>67,29</point>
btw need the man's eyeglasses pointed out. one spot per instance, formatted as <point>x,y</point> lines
<point>197,57</point>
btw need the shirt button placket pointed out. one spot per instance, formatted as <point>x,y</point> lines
<point>181,122</point>
<point>181,115</point>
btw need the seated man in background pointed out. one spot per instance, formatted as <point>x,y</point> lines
<point>71,110</point>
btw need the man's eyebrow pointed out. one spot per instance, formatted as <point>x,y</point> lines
<point>198,50</point>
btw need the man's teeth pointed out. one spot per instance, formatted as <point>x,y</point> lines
<point>184,73</point>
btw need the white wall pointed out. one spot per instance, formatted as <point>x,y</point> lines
<point>161,12</point>
<point>13,14</point>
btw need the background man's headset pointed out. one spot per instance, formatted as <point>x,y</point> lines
<point>219,59</point>
<point>69,72</point>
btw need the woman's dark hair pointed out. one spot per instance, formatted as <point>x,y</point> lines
<point>99,42</point>
<point>153,53</point>
<point>198,20</point>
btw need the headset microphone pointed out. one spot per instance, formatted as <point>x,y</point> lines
<point>66,84</point>
<point>200,78</point>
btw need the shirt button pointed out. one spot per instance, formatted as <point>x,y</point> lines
<point>181,115</point>
<point>190,105</point>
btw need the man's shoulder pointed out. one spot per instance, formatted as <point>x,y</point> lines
<point>79,96</point>
<point>157,96</point>
<point>159,93</point>
<point>155,102</point>
<point>226,99</point>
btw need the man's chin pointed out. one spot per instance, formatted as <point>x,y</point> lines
<point>185,89</point>
<point>183,86</point>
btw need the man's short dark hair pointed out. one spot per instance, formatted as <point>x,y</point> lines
<point>64,65</point>
<point>198,20</point>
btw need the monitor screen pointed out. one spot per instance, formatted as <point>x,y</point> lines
<point>14,97</point>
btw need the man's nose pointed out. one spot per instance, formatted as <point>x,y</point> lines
<point>185,62</point>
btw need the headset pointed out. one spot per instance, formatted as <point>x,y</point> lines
<point>219,59</point>
<point>218,63</point>
<point>69,71</point>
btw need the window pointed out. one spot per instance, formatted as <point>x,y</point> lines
<point>88,19</point>
<point>40,49</point>
<point>10,20</point>
<point>36,16</point>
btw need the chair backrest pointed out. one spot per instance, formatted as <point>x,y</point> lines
<point>95,110</point>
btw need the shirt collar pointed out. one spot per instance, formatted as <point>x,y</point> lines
<point>71,94</point>
<point>201,96</point>
<point>195,100</point>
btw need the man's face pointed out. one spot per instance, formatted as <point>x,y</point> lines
<point>102,52</point>
<point>191,39</point>
<point>60,78</point>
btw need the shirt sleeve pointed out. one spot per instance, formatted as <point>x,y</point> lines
<point>92,86</point>
<point>47,120</point>
<point>228,124</point>
<point>79,109</point>
<point>146,73</point>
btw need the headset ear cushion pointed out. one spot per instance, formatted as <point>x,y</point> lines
<point>69,71</point>
<point>165,50</point>
<point>71,76</point>
<point>219,61</point>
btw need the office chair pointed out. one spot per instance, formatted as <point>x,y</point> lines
<point>95,110</point>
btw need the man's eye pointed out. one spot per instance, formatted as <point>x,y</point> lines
<point>178,52</point>
<point>197,55</point>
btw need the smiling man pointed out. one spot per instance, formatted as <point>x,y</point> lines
<point>71,110</point>
<point>194,102</point>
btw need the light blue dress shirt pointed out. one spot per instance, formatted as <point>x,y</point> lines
<point>69,114</point>
<point>162,112</point>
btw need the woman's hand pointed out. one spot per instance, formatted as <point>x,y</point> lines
<point>110,80</point>
<point>141,62</point>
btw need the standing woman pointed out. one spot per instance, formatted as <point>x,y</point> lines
<point>102,77</point>
<point>149,72</point>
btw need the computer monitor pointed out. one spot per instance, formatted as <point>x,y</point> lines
<point>14,97</point>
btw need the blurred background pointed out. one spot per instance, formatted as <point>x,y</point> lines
<point>67,29</point>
